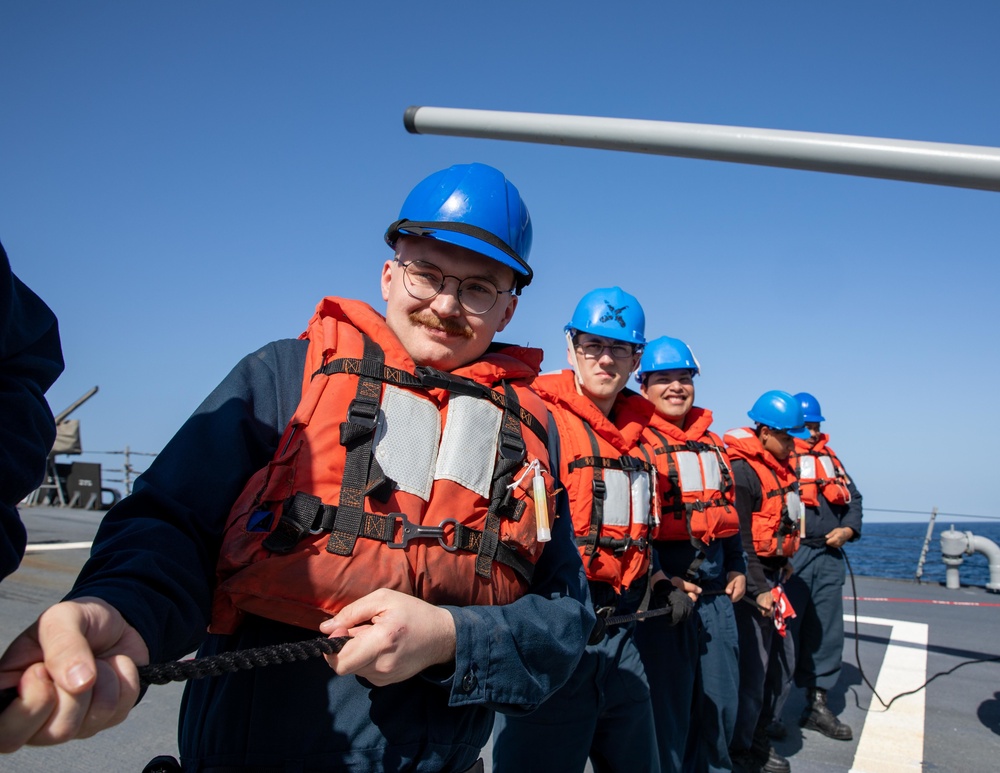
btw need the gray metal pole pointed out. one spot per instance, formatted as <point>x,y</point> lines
<point>927,542</point>
<point>937,163</point>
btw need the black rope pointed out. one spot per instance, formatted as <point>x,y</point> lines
<point>223,663</point>
<point>644,615</point>
<point>239,660</point>
<point>620,619</point>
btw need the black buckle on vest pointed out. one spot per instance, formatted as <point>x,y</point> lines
<point>432,378</point>
<point>630,463</point>
<point>639,543</point>
<point>600,489</point>
<point>362,414</point>
<point>417,531</point>
<point>511,446</point>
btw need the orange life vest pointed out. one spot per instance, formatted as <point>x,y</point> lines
<point>389,476</point>
<point>776,525</point>
<point>608,478</point>
<point>695,480</point>
<point>820,470</point>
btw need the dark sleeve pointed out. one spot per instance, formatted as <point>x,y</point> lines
<point>733,554</point>
<point>155,553</point>
<point>748,500</point>
<point>516,656</point>
<point>30,361</point>
<point>853,515</point>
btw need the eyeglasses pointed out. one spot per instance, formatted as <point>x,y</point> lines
<point>424,281</point>
<point>592,350</point>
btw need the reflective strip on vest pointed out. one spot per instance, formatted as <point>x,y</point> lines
<point>739,433</point>
<point>406,441</point>
<point>627,498</point>
<point>641,496</point>
<point>807,467</point>
<point>796,510</point>
<point>407,448</point>
<point>698,472</point>
<point>469,446</point>
<point>828,467</point>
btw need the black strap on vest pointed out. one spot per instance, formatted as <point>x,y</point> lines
<point>786,525</point>
<point>839,473</point>
<point>427,377</point>
<point>304,513</point>
<point>678,507</point>
<point>593,540</point>
<point>432,378</point>
<point>357,435</point>
<point>511,455</point>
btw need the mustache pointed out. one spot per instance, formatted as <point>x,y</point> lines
<point>450,326</point>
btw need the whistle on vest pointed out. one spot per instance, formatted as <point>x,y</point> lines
<point>543,529</point>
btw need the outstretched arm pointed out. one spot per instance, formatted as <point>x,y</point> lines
<point>76,674</point>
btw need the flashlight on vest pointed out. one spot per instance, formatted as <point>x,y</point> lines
<point>542,527</point>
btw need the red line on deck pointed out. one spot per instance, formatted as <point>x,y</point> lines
<point>925,601</point>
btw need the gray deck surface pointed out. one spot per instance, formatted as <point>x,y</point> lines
<point>953,725</point>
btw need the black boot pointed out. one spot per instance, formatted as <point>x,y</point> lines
<point>777,730</point>
<point>767,758</point>
<point>744,761</point>
<point>817,716</point>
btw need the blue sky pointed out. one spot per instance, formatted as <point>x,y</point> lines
<point>183,181</point>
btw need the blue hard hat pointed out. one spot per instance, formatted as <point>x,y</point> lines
<point>777,410</point>
<point>610,312</point>
<point>472,206</point>
<point>810,407</point>
<point>665,353</point>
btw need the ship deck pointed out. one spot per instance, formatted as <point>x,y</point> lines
<point>902,635</point>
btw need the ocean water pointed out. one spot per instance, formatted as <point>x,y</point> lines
<point>893,550</point>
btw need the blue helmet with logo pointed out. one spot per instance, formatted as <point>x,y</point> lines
<point>665,353</point>
<point>810,407</point>
<point>610,312</point>
<point>472,206</point>
<point>777,410</point>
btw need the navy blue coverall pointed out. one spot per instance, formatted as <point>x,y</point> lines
<point>30,361</point>
<point>693,667</point>
<point>817,595</point>
<point>603,712</point>
<point>758,637</point>
<point>154,560</point>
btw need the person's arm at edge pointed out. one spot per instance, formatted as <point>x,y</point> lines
<point>154,556</point>
<point>30,362</point>
<point>746,495</point>
<point>852,518</point>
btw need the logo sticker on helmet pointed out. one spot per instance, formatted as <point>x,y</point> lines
<point>613,314</point>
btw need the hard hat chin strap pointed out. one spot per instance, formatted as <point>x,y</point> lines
<point>576,361</point>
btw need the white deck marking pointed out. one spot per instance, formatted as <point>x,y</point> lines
<point>58,546</point>
<point>893,741</point>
